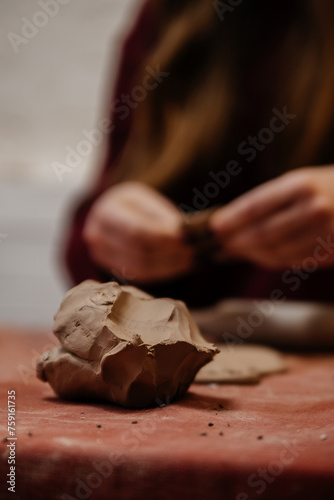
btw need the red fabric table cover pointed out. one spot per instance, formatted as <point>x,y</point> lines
<point>272,441</point>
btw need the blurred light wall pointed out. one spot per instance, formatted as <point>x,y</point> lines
<point>57,58</point>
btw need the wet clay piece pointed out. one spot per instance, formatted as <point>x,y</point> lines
<point>241,364</point>
<point>121,345</point>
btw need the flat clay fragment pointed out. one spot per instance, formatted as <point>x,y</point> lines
<point>241,364</point>
<point>121,345</point>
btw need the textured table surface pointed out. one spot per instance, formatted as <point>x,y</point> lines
<point>272,441</point>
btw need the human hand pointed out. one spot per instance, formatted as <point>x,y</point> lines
<point>277,224</point>
<point>137,234</point>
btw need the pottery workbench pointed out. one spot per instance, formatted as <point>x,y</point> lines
<point>268,441</point>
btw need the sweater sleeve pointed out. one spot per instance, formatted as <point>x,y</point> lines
<point>78,262</point>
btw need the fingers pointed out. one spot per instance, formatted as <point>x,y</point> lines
<point>143,201</point>
<point>121,228</point>
<point>277,224</point>
<point>281,227</point>
<point>285,246</point>
<point>292,252</point>
<point>139,264</point>
<point>143,216</point>
<point>258,204</point>
<point>137,232</point>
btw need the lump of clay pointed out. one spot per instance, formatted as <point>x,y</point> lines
<point>122,345</point>
<point>241,364</point>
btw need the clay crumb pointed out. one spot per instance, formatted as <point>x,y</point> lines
<point>323,437</point>
<point>98,426</point>
<point>160,403</point>
<point>203,434</point>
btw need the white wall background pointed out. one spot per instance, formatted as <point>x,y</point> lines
<point>52,87</point>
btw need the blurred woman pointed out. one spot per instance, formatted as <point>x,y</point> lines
<point>229,108</point>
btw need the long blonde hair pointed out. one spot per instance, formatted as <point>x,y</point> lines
<point>188,115</point>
